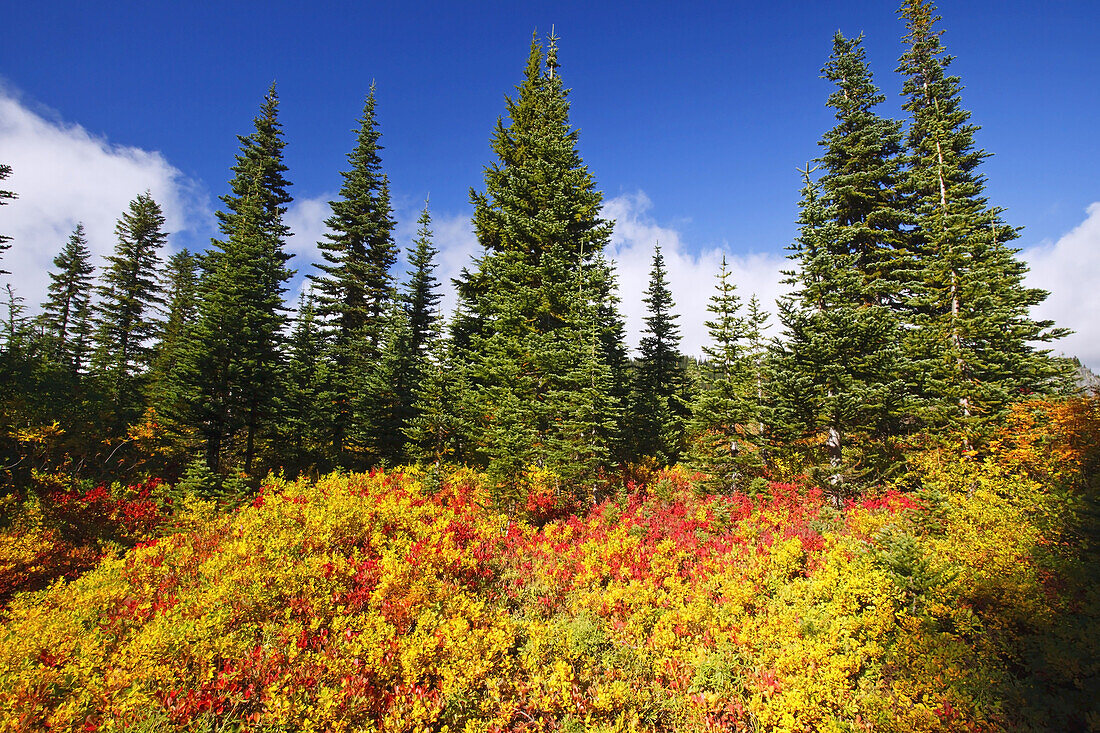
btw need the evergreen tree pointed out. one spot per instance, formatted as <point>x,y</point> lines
<point>15,323</point>
<point>305,385</point>
<point>659,409</point>
<point>180,286</point>
<point>862,259</point>
<point>388,400</point>
<point>235,352</point>
<point>973,347</point>
<point>68,295</point>
<point>80,343</point>
<point>422,294</point>
<point>129,295</point>
<point>523,328</point>
<point>724,412</point>
<point>413,331</point>
<point>5,241</point>
<point>436,428</point>
<point>833,384</point>
<point>841,380</point>
<point>756,323</point>
<point>356,287</point>
<point>612,352</point>
<point>861,166</point>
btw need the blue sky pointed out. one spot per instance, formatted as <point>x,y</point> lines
<point>693,116</point>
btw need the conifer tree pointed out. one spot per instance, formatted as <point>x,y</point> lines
<point>234,355</point>
<point>405,360</point>
<point>861,271</point>
<point>422,294</point>
<point>436,428</point>
<point>756,323</point>
<point>305,385</point>
<point>833,384</point>
<point>129,295</point>
<point>973,347</point>
<point>519,328</point>
<point>5,196</point>
<point>659,411</point>
<point>68,295</point>
<point>356,287</point>
<point>388,401</point>
<point>724,411</point>
<point>861,168</point>
<point>180,286</point>
<point>15,322</point>
<point>612,353</point>
<point>841,371</point>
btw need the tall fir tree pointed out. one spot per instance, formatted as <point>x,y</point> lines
<point>658,409</point>
<point>974,342</point>
<point>68,297</point>
<point>5,196</point>
<point>524,304</point>
<point>857,276</point>
<point>756,344</point>
<point>861,169</point>
<point>387,402</point>
<point>836,373</point>
<point>435,431</point>
<point>422,294</point>
<point>129,296</point>
<point>235,352</point>
<point>356,288</point>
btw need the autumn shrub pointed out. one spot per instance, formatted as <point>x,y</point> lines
<point>400,601</point>
<point>65,527</point>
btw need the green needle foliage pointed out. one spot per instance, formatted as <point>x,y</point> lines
<point>68,300</point>
<point>306,383</point>
<point>129,296</point>
<point>973,344</point>
<point>535,311</point>
<point>235,354</point>
<point>414,328</point>
<point>180,286</point>
<point>355,289</point>
<point>725,417</point>
<point>659,410</point>
<point>836,380</point>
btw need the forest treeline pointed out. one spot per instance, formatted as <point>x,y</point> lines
<point>907,317</point>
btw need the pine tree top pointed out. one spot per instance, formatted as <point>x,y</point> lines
<point>259,171</point>
<point>663,339</point>
<point>538,193</point>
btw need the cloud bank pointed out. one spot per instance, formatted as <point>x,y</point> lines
<point>1070,270</point>
<point>691,275</point>
<point>62,175</point>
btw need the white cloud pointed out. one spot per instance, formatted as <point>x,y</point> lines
<point>63,175</point>
<point>454,237</point>
<point>1069,270</point>
<point>306,219</point>
<point>691,276</point>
